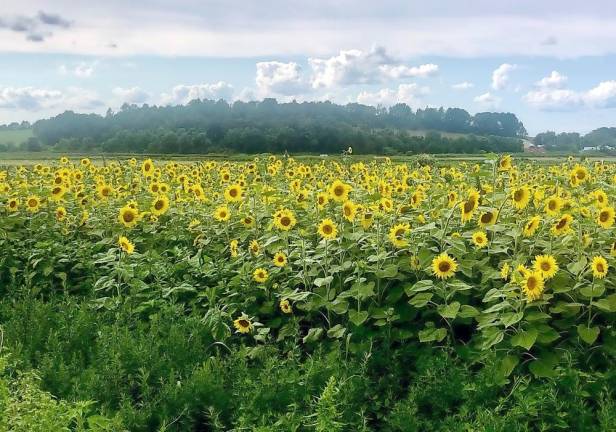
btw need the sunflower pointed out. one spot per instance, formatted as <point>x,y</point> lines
<point>60,213</point>
<point>505,271</point>
<point>128,216</point>
<point>531,226</point>
<point>468,206</point>
<point>160,205</point>
<point>254,247</point>
<point>126,245</point>
<point>285,306</point>
<point>243,324</point>
<point>234,193</point>
<point>444,266</point>
<point>327,229</point>
<point>398,233</point>
<point>505,163</point>
<point>613,249</point>
<point>349,210</point>
<point>580,173</point>
<point>284,219</point>
<point>521,272</point>
<point>605,219</point>
<point>260,275</point>
<point>233,248</point>
<point>248,221</point>
<point>57,193</point>
<point>553,206</point>
<point>599,267</point>
<point>13,204</point>
<point>366,219</point>
<point>222,214</point>
<point>601,198</point>
<point>147,167</point>
<point>322,200</point>
<point>339,191</point>
<point>280,259</point>
<point>488,218</point>
<point>533,286</point>
<point>104,191</point>
<point>480,239</point>
<point>563,226</point>
<point>521,197</point>
<point>452,198</point>
<point>33,203</point>
<point>546,266</point>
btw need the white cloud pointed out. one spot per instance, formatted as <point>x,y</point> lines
<point>355,66</point>
<point>464,85</point>
<point>500,76</point>
<point>410,94</point>
<point>554,80</point>
<point>28,98</point>
<point>275,77</point>
<point>488,100</point>
<point>550,94</point>
<point>182,94</point>
<point>80,70</point>
<point>603,95</point>
<point>132,95</point>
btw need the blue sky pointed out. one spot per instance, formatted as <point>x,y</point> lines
<point>553,63</point>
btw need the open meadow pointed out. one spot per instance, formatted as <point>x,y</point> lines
<point>309,294</point>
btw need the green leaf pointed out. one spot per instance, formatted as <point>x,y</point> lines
<point>510,318</point>
<point>420,300</point>
<point>336,332</point>
<point>431,334</point>
<point>507,364</point>
<point>450,310</point>
<point>458,286</point>
<point>422,285</point>
<point>525,338</point>
<point>588,334</point>
<point>366,290</point>
<point>323,281</point>
<point>358,318</point>
<point>492,336</point>
<point>467,311</point>
<point>388,272</point>
<point>314,334</point>
<point>578,266</point>
<point>562,282</point>
<point>543,368</point>
<point>593,291</point>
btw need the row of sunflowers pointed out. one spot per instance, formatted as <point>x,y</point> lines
<point>511,256</point>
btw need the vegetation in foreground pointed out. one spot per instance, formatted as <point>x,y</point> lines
<point>280,295</point>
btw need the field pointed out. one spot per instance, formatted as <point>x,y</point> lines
<point>308,294</point>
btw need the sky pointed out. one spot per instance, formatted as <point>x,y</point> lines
<point>551,62</point>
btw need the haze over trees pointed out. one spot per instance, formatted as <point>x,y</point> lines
<point>204,126</point>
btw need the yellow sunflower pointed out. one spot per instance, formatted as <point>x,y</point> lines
<point>160,205</point>
<point>349,210</point>
<point>60,213</point>
<point>222,214</point>
<point>599,267</point>
<point>260,275</point>
<point>126,245</point>
<point>13,204</point>
<point>339,191</point>
<point>285,306</point>
<point>488,218</point>
<point>280,259</point>
<point>563,226</point>
<point>234,193</point>
<point>531,226</point>
<point>33,203</point>
<point>444,266</point>
<point>128,216</point>
<point>553,206</point>
<point>520,197</point>
<point>505,271</point>
<point>480,239</point>
<point>605,219</point>
<point>532,286</point>
<point>546,266</point>
<point>398,235</point>
<point>284,219</point>
<point>327,229</point>
<point>243,324</point>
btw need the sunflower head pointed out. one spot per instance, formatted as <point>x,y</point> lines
<point>444,266</point>
<point>599,267</point>
<point>243,324</point>
<point>327,229</point>
<point>532,286</point>
<point>260,275</point>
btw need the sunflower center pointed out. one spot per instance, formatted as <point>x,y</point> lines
<point>339,191</point>
<point>285,221</point>
<point>32,202</point>
<point>600,268</point>
<point>561,224</point>
<point>604,216</point>
<point>444,266</point>
<point>518,195</point>
<point>159,205</point>
<point>545,266</point>
<point>327,229</point>
<point>128,217</point>
<point>531,283</point>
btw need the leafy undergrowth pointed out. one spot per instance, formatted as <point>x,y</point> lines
<point>166,372</point>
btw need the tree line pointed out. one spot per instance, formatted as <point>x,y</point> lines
<point>601,139</point>
<point>205,126</point>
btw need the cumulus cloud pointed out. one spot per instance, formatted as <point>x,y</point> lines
<point>363,67</point>
<point>410,94</point>
<point>37,99</point>
<point>488,100</point>
<point>36,28</point>
<point>132,95</point>
<point>80,70</point>
<point>500,76</point>
<point>274,77</point>
<point>554,80</point>
<point>182,94</point>
<point>464,85</point>
<point>550,94</point>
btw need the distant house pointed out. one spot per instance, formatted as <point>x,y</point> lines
<point>529,147</point>
<point>587,149</point>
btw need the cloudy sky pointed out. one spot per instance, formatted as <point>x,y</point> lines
<point>552,62</point>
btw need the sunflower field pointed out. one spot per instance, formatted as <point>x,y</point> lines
<point>329,295</point>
